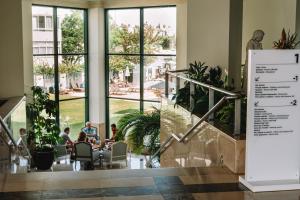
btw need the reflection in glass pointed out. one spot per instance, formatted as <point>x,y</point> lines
<point>124,77</point>
<point>160,30</point>
<point>17,120</point>
<point>154,75</point>
<point>118,108</point>
<point>124,31</point>
<point>71,77</point>
<point>72,114</point>
<point>70,31</point>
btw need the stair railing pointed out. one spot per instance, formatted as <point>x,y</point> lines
<point>207,116</point>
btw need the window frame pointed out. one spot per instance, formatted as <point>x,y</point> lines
<point>142,55</point>
<point>57,53</point>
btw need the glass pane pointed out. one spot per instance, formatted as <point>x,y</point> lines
<point>160,30</point>
<point>154,75</point>
<point>151,106</point>
<point>124,77</point>
<point>72,114</point>
<point>70,31</point>
<point>17,120</point>
<point>119,108</point>
<point>43,73</point>
<point>71,77</point>
<point>42,30</point>
<point>124,31</point>
<point>41,23</point>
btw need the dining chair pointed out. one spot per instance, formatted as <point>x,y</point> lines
<point>118,152</point>
<point>61,152</point>
<point>84,153</point>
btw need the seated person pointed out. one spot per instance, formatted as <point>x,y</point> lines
<point>91,132</point>
<point>110,141</point>
<point>83,138</point>
<point>114,132</point>
<point>22,142</point>
<point>66,139</point>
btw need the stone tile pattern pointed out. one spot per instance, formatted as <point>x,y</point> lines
<point>207,146</point>
<point>148,184</point>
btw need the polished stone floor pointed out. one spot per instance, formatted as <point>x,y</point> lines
<point>126,184</point>
<point>65,164</point>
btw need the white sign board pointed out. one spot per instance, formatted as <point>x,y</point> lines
<point>273,121</point>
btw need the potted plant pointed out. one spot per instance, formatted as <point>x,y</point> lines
<point>141,130</point>
<point>44,131</point>
<point>286,41</point>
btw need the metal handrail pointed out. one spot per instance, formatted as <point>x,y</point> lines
<point>203,118</point>
<point>182,139</point>
<point>8,132</point>
<point>13,142</point>
<point>212,109</point>
<point>174,73</point>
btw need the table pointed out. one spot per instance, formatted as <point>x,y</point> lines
<point>96,146</point>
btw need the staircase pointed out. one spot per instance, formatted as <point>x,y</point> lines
<point>13,147</point>
<point>190,141</point>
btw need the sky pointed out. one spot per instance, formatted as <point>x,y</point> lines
<point>154,16</point>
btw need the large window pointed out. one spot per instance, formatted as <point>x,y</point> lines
<point>60,61</point>
<point>140,48</point>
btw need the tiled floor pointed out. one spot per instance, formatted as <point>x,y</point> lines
<point>125,184</point>
<point>134,162</point>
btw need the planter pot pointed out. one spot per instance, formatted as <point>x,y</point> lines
<point>43,160</point>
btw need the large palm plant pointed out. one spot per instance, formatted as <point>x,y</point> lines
<point>142,130</point>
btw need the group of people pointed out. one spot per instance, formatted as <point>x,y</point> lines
<point>88,134</point>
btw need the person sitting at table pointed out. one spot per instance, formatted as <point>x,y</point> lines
<point>91,132</point>
<point>66,139</point>
<point>114,132</point>
<point>83,138</point>
<point>113,137</point>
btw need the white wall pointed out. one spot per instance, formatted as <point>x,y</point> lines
<point>270,16</point>
<point>27,45</point>
<point>208,31</point>
<point>181,36</point>
<point>11,49</point>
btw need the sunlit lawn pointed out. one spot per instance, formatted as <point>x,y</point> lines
<point>72,114</point>
<point>120,107</point>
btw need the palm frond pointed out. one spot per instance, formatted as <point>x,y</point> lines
<point>135,127</point>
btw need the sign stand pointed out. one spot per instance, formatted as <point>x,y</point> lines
<point>273,121</point>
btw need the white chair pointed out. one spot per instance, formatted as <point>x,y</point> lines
<point>85,153</point>
<point>118,152</point>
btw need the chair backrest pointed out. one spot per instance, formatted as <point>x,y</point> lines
<point>119,151</point>
<point>61,150</point>
<point>83,151</point>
